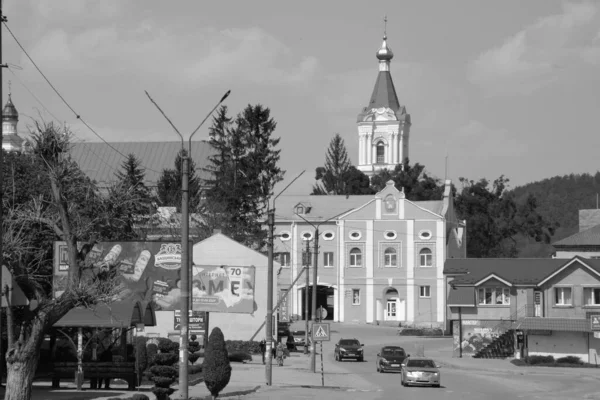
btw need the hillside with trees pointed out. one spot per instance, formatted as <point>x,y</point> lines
<point>559,200</point>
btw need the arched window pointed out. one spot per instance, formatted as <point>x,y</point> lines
<point>355,257</point>
<point>389,257</point>
<point>380,153</point>
<point>426,257</point>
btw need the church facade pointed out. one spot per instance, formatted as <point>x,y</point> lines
<point>380,258</point>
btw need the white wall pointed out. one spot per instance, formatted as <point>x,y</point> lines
<point>560,344</point>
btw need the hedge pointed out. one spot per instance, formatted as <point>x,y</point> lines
<point>536,360</point>
<point>421,332</point>
<point>239,356</point>
<point>250,347</point>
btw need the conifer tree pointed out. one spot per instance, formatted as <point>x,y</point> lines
<point>216,367</point>
<point>169,184</point>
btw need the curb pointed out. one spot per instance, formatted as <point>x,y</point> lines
<point>516,371</point>
<point>229,394</point>
<point>315,387</point>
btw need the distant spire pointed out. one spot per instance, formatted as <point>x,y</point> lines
<point>9,87</point>
<point>385,27</point>
<point>384,54</point>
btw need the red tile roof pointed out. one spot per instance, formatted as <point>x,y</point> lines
<point>553,324</point>
<point>517,271</point>
<point>100,161</point>
<point>589,237</point>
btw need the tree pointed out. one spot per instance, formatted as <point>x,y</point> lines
<point>169,184</point>
<point>337,164</point>
<point>216,367</point>
<point>72,211</point>
<point>494,219</point>
<point>243,171</point>
<point>416,183</point>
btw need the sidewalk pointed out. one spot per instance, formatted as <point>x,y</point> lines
<point>250,377</point>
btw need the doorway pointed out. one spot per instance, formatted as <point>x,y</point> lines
<point>325,296</point>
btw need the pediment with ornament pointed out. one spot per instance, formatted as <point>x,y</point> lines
<point>379,114</point>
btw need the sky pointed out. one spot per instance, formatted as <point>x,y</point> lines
<point>493,87</point>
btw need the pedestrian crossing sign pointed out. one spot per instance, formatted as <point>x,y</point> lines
<point>595,323</point>
<point>320,332</point>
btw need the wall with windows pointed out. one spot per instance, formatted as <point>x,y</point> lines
<point>425,300</point>
<point>355,301</point>
<point>494,300</point>
<point>572,293</point>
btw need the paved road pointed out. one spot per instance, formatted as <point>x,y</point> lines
<point>456,384</point>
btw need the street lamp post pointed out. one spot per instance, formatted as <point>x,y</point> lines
<point>313,356</point>
<point>185,265</point>
<point>269,322</point>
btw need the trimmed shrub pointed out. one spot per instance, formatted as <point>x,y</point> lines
<point>569,360</point>
<point>193,357</point>
<point>165,369</point>
<point>167,346</point>
<point>141,355</point>
<point>166,358</point>
<point>250,347</point>
<point>151,352</point>
<point>240,356</point>
<point>421,332</point>
<point>139,396</point>
<point>217,370</point>
<point>537,360</point>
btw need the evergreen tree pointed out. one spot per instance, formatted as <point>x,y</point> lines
<point>131,181</point>
<point>216,367</point>
<point>243,171</point>
<point>337,164</point>
<point>169,184</point>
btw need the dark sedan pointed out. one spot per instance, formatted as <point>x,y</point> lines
<point>390,358</point>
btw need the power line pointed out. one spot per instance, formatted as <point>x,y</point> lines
<point>33,95</point>
<point>65,101</point>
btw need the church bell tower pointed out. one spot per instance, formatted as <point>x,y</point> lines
<point>384,124</point>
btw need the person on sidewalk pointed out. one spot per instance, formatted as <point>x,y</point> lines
<point>263,349</point>
<point>280,353</point>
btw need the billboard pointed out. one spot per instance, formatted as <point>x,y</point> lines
<point>223,289</point>
<point>476,335</point>
<point>150,271</point>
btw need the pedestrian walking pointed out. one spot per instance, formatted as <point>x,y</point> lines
<point>263,349</point>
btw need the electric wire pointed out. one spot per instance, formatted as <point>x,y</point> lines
<point>77,116</point>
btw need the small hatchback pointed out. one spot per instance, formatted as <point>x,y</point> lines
<point>420,371</point>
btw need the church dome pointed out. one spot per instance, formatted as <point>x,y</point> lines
<point>9,113</point>
<point>385,53</point>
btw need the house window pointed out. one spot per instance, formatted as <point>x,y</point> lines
<point>307,235</point>
<point>307,258</point>
<point>390,257</point>
<point>284,259</point>
<point>355,257</point>
<point>426,257</point>
<point>328,235</point>
<point>591,296</point>
<point>425,234</point>
<point>355,235</point>
<point>390,235</point>
<point>562,296</point>
<point>380,153</point>
<point>425,291</point>
<point>285,236</point>
<point>494,296</point>
<point>355,297</point>
<point>328,259</point>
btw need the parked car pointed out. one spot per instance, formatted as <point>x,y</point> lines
<point>348,348</point>
<point>420,371</point>
<point>390,358</point>
<point>299,337</point>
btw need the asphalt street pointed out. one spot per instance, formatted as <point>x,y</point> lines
<point>456,383</point>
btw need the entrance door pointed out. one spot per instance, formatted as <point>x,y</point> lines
<point>537,301</point>
<point>391,311</point>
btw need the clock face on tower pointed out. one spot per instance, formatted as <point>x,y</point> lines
<point>390,204</point>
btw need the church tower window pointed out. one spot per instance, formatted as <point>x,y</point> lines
<point>380,153</point>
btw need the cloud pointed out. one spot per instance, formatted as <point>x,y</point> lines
<point>183,56</point>
<point>541,53</point>
<point>483,142</point>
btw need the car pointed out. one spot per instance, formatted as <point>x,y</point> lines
<point>348,348</point>
<point>299,338</point>
<point>390,358</point>
<point>420,371</point>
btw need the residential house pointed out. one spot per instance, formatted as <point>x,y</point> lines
<point>519,307</point>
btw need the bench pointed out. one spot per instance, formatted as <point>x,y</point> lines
<point>95,371</point>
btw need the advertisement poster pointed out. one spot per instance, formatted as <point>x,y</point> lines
<point>196,321</point>
<point>223,289</point>
<point>476,334</point>
<point>283,306</point>
<point>149,271</point>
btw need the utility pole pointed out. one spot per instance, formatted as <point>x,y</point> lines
<point>185,259</point>
<point>313,358</point>
<point>269,322</point>
<point>3,19</point>
<point>306,261</point>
